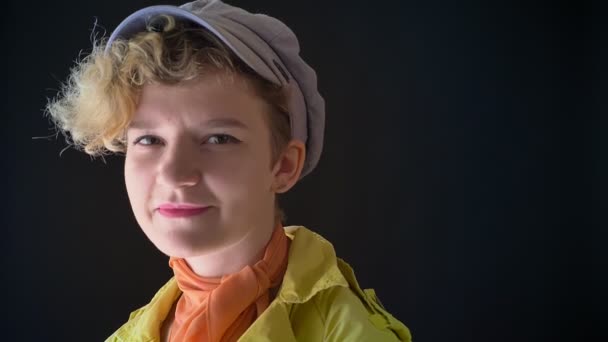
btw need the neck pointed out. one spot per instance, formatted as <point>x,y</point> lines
<point>232,258</point>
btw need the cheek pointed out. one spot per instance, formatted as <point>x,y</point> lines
<point>241,177</point>
<point>136,181</point>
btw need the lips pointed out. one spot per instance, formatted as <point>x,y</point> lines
<point>181,210</point>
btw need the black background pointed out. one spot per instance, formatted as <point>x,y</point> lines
<point>463,173</point>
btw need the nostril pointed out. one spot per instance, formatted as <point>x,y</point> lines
<point>174,176</point>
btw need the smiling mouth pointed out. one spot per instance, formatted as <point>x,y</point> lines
<point>182,212</point>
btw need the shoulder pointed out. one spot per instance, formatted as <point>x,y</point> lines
<point>144,323</point>
<point>328,302</point>
<point>352,314</point>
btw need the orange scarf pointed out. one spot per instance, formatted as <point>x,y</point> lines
<point>222,308</point>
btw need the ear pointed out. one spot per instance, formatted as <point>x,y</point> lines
<point>288,167</point>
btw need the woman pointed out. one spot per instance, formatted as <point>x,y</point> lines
<point>217,115</point>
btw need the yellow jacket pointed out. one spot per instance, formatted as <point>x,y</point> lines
<point>319,300</point>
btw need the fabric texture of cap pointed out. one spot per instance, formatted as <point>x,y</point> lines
<point>266,45</point>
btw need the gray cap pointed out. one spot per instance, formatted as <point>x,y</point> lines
<point>264,43</point>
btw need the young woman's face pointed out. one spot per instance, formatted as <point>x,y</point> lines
<point>203,144</point>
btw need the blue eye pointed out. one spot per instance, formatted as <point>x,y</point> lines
<point>146,140</point>
<point>221,139</point>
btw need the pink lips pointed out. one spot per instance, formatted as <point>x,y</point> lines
<point>180,210</point>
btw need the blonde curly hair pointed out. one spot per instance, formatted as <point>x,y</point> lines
<point>96,104</point>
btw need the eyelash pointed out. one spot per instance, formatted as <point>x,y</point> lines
<point>230,139</point>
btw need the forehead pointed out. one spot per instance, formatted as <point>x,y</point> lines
<point>228,100</point>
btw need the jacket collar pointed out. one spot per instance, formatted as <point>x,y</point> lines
<point>309,254</point>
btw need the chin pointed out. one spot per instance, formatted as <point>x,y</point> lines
<point>183,238</point>
<point>184,245</point>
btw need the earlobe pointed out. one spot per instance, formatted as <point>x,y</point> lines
<point>289,166</point>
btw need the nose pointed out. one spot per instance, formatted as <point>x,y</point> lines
<point>179,167</point>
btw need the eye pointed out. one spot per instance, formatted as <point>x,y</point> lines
<point>146,140</point>
<point>221,139</point>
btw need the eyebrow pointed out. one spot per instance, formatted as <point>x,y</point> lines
<point>212,123</point>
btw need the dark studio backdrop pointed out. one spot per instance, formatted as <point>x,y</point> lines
<point>462,175</point>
